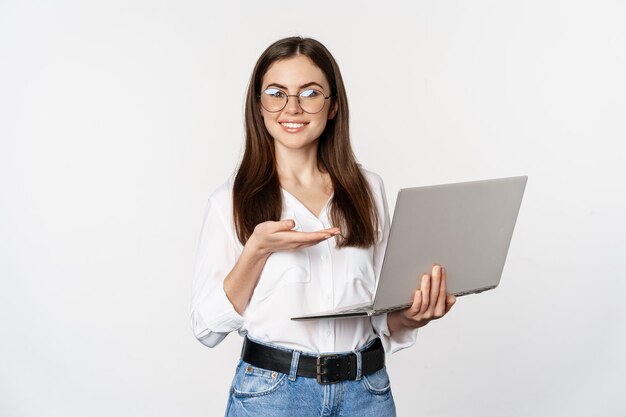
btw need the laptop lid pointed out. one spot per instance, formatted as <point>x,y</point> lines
<point>466,227</point>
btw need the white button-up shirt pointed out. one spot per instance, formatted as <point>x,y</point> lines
<point>318,278</point>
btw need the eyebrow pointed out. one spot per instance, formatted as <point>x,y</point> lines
<point>301,87</point>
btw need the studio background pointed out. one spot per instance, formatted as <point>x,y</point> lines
<point>118,118</point>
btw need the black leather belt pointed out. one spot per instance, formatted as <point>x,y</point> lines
<point>326,368</point>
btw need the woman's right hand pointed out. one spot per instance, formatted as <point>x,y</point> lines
<point>278,236</point>
<point>267,237</point>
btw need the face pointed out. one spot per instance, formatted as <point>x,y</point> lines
<point>292,127</point>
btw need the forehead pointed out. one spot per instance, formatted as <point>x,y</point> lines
<point>294,72</point>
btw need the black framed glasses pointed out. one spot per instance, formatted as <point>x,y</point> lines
<point>311,101</point>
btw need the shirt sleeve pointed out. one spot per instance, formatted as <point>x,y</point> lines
<point>213,316</point>
<point>400,339</point>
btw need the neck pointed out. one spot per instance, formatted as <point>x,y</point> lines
<point>298,166</point>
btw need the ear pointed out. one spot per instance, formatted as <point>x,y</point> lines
<point>333,110</point>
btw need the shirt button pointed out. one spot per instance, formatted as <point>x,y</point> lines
<point>324,257</point>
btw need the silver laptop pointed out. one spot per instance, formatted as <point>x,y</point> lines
<point>466,227</point>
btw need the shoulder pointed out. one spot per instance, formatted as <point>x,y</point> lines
<point>221,200</point>
<point>223,193</point>
<point>219,209</point>
<point>374,181</point>
<point>377,189</point>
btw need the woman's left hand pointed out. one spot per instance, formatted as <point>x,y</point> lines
<point>430,302</point>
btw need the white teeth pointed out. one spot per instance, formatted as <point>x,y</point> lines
<point>293,125</point>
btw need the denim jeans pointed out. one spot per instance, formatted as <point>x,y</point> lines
<point>264,393</point>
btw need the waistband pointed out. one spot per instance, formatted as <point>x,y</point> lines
<point>325,368</point>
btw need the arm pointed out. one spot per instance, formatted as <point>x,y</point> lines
<point>239,284</point>
<point>225,276</point>
<point>212,315</point>
<point>268,237</point>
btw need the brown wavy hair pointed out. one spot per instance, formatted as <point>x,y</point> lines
<point>256,192</point>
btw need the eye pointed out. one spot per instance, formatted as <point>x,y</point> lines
<point>275,92</point>
<point>310,93</point>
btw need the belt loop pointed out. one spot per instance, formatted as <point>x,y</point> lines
<point>359,371</point>
<point>243,346</point>
<point>295,358</point>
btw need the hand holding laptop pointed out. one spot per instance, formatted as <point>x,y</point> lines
<point>431,301</point>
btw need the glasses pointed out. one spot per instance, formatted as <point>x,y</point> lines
<point>311,101</point>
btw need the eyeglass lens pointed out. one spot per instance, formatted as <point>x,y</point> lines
<point>274,100</point>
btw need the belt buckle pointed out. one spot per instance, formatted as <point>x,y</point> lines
<point>322,377</point>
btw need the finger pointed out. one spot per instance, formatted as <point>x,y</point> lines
<point>414,310</point>
<point>440,309</point>
<point>425,290</point>
<point>308,236</point>
<point>282,225</point>
<point>333,231</point>
<point>297,240</point>
<point>285,239</point>
<point>289,224</point>
<point>435,280</point>
<point>450,300</point>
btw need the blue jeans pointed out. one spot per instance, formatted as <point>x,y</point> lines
<point>259,392</point>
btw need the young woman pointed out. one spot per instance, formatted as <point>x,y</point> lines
<point>302,228</point>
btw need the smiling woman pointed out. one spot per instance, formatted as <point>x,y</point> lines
<point>302,227</point>
<point>299,122</point>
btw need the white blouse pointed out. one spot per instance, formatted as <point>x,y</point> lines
<point>310,280</point>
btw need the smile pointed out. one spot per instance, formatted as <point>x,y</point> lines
<point>291,125</point>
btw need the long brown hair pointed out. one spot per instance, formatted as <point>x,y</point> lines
<point>256,192</point>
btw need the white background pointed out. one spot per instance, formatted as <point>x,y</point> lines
<point>118,118</point>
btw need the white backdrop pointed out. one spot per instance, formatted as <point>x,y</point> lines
<point>118,118</point>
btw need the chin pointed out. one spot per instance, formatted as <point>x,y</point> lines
<point>290,143</point>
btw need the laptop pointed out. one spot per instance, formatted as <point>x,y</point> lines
<point>466,227</point>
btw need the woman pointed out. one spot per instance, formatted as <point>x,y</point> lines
<point>302,228</point>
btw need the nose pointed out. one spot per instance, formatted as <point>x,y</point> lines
<point>293,105</point>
